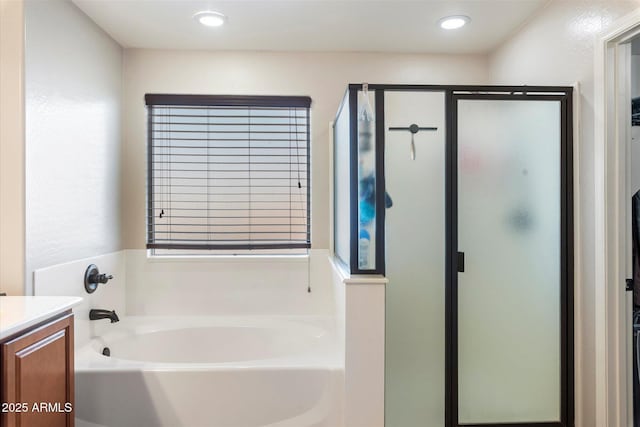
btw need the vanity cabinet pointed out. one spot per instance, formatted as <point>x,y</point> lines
<point>37,375</point>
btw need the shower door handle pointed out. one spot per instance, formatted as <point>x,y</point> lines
<point>460,262</point>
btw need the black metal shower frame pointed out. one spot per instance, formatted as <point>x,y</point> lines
<point>454,93</point>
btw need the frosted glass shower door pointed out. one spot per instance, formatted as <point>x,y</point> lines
<point>415,260</point>
<point>509,228</point>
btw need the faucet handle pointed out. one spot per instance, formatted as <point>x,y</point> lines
<point>92,278</point>
<point>103,278</point>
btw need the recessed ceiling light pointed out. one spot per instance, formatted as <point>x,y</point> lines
<point>454,22</point>
<point>210,18</point>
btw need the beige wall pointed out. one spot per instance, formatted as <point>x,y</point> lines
<point>323,76</point>
<point>635,130</point>
<point>12,252</point>
<point>73,84</point>
<point>557,48</point>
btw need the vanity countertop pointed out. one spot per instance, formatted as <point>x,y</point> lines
<point>19,313</point>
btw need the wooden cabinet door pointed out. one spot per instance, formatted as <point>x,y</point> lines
<point>37,369</point>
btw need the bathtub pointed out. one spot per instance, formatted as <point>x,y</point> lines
<point>211,372</point>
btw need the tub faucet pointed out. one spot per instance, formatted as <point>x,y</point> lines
<point>97,314</point>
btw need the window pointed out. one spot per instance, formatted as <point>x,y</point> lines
<point>228,174</point>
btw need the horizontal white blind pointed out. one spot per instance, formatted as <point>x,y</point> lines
<point>228,172</point>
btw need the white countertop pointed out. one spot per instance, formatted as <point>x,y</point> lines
<point>18,313</point>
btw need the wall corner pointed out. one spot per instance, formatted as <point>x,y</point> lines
<point>12,148</point>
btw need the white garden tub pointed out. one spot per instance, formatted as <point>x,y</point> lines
<point>211,372</point>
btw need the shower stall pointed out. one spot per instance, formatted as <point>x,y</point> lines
<point>462,197</point>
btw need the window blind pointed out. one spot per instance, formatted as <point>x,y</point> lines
<point>228,172</point>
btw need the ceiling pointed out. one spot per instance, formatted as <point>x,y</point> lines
<point>312,25</point>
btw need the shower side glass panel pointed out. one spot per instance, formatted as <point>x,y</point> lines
<point>366,150</point>
<point>415,259</point>
<point>342,182</point>
<point>357,220</point>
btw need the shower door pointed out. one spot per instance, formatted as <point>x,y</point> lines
<point>509,275</point>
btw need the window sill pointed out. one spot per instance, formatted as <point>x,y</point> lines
<point>262,258</point>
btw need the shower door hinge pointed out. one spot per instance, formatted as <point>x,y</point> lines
<point>460,262</point>
<point>629,286</point>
